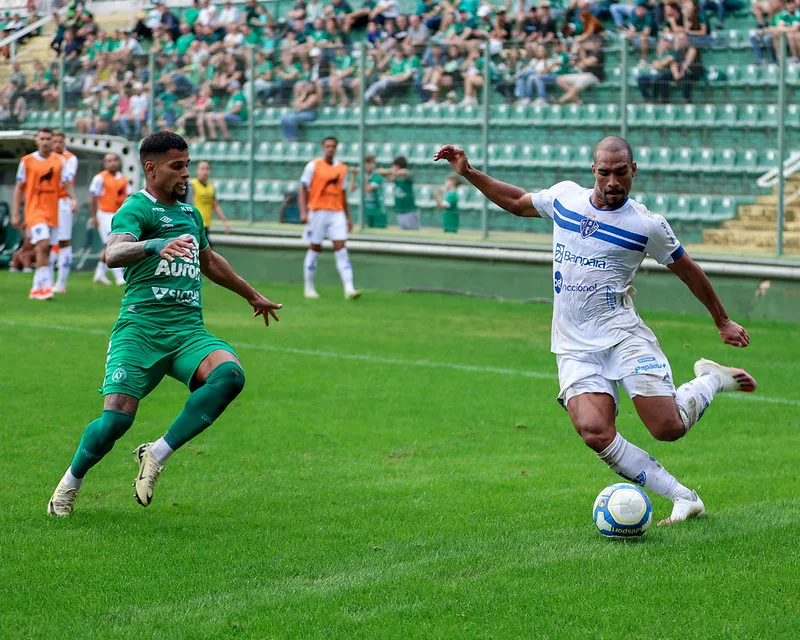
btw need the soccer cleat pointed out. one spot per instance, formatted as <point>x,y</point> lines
<point>149,470</point>
<point>35,294</point>
<point>120,283</point>
<point>41,294</point>
<point>311,294</point>
<point>101,279</point>
<point>684,509</point>
<point>355,294</point>
<point>63,500</point>
<point>730,379</point>
<point>59,290</point>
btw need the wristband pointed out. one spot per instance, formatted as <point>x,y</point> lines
<point>155,246</point>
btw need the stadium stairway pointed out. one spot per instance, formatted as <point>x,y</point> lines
<point>755,224</point>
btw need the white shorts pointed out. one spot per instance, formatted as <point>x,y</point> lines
<point>43,231</point>
<point>637,364</point>
<point>65,219</point>
<point>323,223</point>
<point>104,225</point>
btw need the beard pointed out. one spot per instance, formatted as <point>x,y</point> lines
<point>179,190</point>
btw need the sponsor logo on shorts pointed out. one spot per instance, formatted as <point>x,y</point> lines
<point>653,366</point>
<point>562,255</point>
<point>119,375</point>
<point>559,285</point>
<point>588,227</point>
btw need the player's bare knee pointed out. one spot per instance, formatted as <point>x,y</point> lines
<point>668,429</point>
<point>596,436</point>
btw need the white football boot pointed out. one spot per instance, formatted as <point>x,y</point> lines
<point>63,500</point>
<point>731,379</point>
<point>311,294</point>
<point>685,508</point>
<point>149,470</point>
<point>101,279</point>
<point>353,294</point>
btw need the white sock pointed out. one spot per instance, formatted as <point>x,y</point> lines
<point>119,274</point>
<point>42,278</point>
<point>64,266</point>
<point>693,398</point>
<point>638,466</point>
<point>345,269</point>
<point>101,269</point>
<point>309,268</point>
<point>161,450</point>
<point>71,480</point>
<point>53,260</point>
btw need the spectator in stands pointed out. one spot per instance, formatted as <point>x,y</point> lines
<point>405,206</point>
<point>545,24</point>
<point>229,14</point>
<point>306,100</point>
<point>785,22</point>
<point>687,67</point>
<point>472,70</point>
<point>315,10</point>
<point>71,47</point>
<point>234,112</point>
<point>673,20</point>
<point>642,29</point>
<point>265,85</point>
<point>447,202</point>
<point>433,63</point>
<point>537,72</point>
<point>208,16</point>
<point>622,12</point>
<point>130,45</point>
<point>598,8</point>
<point>136,115</point>
<point>200,107</point>
<point>418,32</point>
<point>344,76</point>
<point>430,12</point>
<point>185,39</point>
<point>13,106</point>
<point>654,84</point>
<point>17,76</point>
<point>589,71</point>
<point>765,11</point>
<point>121,111</point>
<point>695,24</point>
<point>168,108</point>
<point>58,37</point>
<point>169,20</point>
<point>722,7</point>
<point>402,67</point>
<point>592,33</point>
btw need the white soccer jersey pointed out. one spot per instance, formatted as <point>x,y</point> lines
<point>596,255</point>
<point>70,168</point>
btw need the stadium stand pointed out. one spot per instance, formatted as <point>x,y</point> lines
<point>699,160</point>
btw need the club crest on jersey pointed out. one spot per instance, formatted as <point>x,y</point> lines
<point>588,227</point>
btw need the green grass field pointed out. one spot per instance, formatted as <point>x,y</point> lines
<point>396,467</point>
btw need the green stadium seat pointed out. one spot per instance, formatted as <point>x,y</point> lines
<point>725,159</point>
<point>262,187</point>
<point>751,75</point>
<point>475,152</point>
<point>660,204</point>
<point>669,114</point>
<point>500,112</point>
<point>770,115</point>
<point>682,158</point>
<point>767,159</point>
<point>703,159</point>
<point>725,208</point>
<point>792,117</point>
<point>644,157</point>
<point>768,75</point>
<point>262,151</point>
<point>681,206</point>
<point>502,154</point>
<point>702,208</point>
<point>748,159</point>
<point>583,156</point>
<point>564,156</point>
<point>708,114</point>
<point>664,157</point>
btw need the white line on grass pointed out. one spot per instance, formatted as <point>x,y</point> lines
<point>381,360</point>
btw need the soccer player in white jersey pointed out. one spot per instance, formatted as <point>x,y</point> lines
<point>600,238</point>
<point>67,206</point>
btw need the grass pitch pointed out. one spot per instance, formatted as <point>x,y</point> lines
<point>396,467</point>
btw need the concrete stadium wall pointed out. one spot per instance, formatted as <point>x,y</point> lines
<point>777,300</point>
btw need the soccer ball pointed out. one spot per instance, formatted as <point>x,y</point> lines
<point>622,511</point>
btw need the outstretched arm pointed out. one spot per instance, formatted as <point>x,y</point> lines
<point>504,195</point>
<point>217,269</point>
<point>699,284</point>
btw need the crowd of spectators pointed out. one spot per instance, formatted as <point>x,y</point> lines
<point>311,56</point>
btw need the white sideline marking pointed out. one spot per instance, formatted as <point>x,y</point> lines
<point>379,360</point>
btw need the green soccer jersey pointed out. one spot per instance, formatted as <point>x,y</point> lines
<point>156,285</point>
<point>404,195</point>
<point>450,215</point>
<point>373,200</point>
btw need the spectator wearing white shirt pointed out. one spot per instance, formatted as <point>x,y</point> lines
<point>229,15</point>
<point>314,10</point>
<point>208,15</point>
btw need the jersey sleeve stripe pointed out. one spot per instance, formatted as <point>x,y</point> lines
<point>630,235</point>
<point>677,253</point>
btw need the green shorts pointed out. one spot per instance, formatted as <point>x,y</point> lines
<point>140,355</point>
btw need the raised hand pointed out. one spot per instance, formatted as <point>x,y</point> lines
<point>455,156</point>
<point>181,247</point>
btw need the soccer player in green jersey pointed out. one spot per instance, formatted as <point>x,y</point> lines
<point>162,244</point>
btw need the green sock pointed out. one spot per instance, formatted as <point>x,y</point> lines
<point>98,439</point>
<point>206,404</point>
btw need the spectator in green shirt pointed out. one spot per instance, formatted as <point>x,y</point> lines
<point>405,206</point>
<point>190,17</point>
<point>402,69</point>
<point>343,76</point>
<point>265,84</point>
<point>167,106</point>
<point>235,112</point>
<point>642,29</point>
<point>184,40</point>
<point>448,204</point>
<point>373,193</point>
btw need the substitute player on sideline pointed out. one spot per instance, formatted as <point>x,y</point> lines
<point>204,197</point>
<point>67,206</point>
<point>107,192</point>
<point>162,244</point>
<point>40,177</point>
<point>600,237</point>
<point>323,207</point>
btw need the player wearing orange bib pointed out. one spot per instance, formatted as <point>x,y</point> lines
<point>40,177</point>
<point>67,206</point>
<point>323,207</point>
<point>107,192</point>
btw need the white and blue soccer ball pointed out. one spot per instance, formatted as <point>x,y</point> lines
<point>622,510</point>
